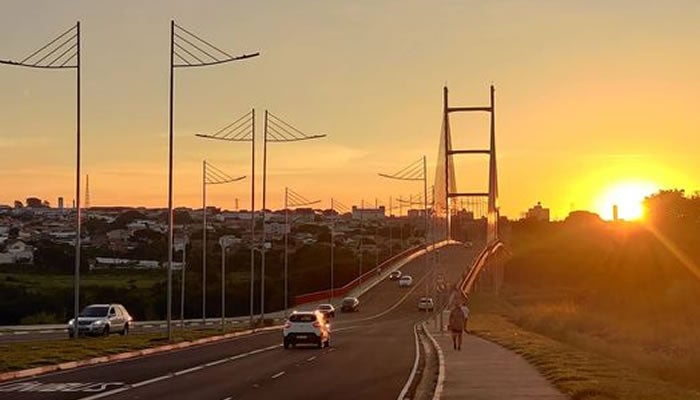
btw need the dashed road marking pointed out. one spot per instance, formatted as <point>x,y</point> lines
<point>277,375</point>
<point>311,358</point>
<point>183,372</point>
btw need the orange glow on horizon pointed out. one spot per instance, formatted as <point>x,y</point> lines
<point>628,196</point>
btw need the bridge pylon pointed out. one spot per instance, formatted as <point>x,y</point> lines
<point>449,189</point>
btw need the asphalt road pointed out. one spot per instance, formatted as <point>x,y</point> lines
<point>371,356</point>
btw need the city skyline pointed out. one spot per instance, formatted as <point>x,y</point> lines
<point>558,103</point>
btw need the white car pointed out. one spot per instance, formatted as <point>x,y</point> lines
<point>406,281</point>
<point>101,319</point>
<point>309,327</point>
<point>426,304</point>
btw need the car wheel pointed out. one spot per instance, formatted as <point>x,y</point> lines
<point>286,344</point>
<point>105,331</point>
<point>71,335</point>
<point>328,342</point>
<point>125,331</point>
<point>320,343</point>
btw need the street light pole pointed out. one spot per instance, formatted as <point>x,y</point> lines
<point>192,51</point>
<point>332,251</point>
<point>264,230</point>
<point>252,217</point>
<point>169,302</point>
<point>223,286</point>
<point>286,244</point>
<point>204,243</point>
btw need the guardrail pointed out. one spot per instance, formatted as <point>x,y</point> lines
<point>470,276</point>
<point>343,290</point>
<point>47,328</point>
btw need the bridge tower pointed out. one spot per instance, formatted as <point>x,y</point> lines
<point>446,182</point>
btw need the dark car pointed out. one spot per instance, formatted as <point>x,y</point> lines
<point>395,276</point>
<point>350,304</point>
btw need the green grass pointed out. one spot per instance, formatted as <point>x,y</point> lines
<point>577,371</point>
<point>117,280</point>
<point>23,355</point>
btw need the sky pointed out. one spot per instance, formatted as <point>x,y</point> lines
<point>589,96</point>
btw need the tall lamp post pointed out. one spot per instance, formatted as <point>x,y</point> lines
<point>225,242</point>
<point>63,52</point>
<point>243,130</point>
<point>335,206</point>
<point>211,175</point>
<point>187,50</point>
<point>291,199</point>
<point>416,171</point>
<point>276,130</point>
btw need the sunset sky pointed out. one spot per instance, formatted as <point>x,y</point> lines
<point>590,96</point>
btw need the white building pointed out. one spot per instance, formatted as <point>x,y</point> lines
<point>107,262</point>
<point>17,252</point>
<point>368,213</point>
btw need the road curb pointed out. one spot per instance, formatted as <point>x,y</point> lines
<point>441,364</point>
<point>25,373</point>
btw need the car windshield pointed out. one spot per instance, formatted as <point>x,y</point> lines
<point>302,318</point>
<point>94,311</point>
<point>325,307</point>
<point>349,300</point>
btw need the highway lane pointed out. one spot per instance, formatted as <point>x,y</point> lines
<point>371,356</point>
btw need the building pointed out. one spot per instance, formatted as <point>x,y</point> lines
<point>368,214</point>
<point>17,252</point>
<point>107,262</point>
<point>538,213</point>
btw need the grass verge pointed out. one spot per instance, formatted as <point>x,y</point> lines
<point>23,355</point>
<point>577,373</point>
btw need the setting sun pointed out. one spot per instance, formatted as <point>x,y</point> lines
<point>628,197</point>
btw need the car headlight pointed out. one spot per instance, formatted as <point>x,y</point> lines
<point>71,322</point>
<point>99,322</point>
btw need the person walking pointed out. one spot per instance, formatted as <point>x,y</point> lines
<point>465,311</point>
<point>457,325</point>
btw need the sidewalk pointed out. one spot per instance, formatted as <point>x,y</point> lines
<point>486,371</point>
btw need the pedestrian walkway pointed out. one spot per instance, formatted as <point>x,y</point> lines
<point>483,370</point>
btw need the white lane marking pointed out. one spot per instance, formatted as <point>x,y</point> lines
<point>217,362</point>
<point>44,332</point>
<point>181,372</point>
<point>441,362</point>
<point>105,394</point>
<point>188,370</point>
<point>149,381</point>
<point>407,386</point>
<point>311,358</point>
<point>228,398</point>
<point>277,375</point>
<point>21,333</point>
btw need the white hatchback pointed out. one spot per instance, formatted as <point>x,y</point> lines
<point>308,327</point>
<point>426,304</point>
<point>406,281</point>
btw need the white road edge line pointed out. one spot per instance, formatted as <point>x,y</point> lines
<point>181,372</point>
<point>407,386</point>
<point>441,363</point>
<point>277,375</point>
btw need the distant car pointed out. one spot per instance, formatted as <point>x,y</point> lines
<point>426,304</point>
<point>350,304</point>
<point>327,310</point>
<point>394,276</point>
<point>405,281</point>
<point>101,319</point>
<point>307,327</point>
